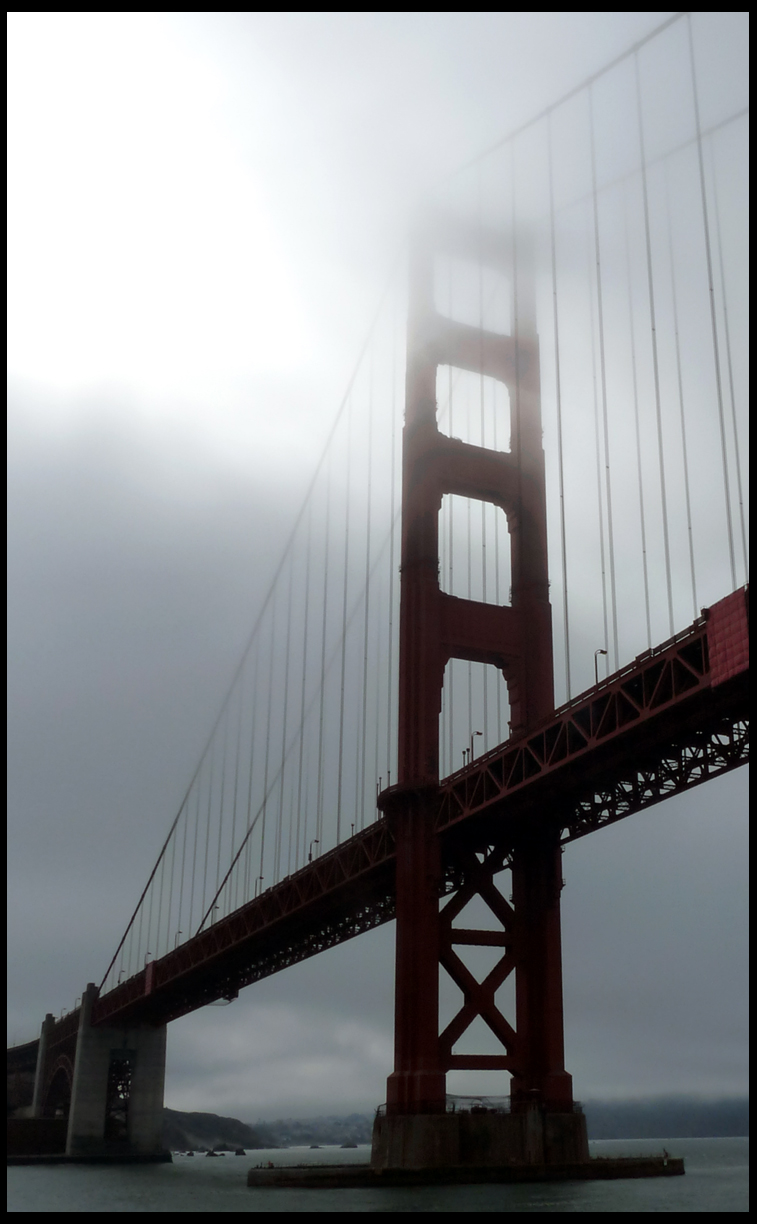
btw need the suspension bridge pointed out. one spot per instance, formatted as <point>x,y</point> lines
<point>514,620</point>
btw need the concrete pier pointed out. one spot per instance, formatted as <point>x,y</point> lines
<point>472,1147</point>
<point>117,1093</point>
<point>478,1139</point>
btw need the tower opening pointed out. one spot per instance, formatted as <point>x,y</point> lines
<point>473,407</point>
<point>475,713</point>
<point>474,550</point>
<point>473,293</point>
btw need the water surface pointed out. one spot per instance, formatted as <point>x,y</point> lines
<point>716,1179</point>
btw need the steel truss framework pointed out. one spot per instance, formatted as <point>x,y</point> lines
<point>705,756</point>
<point>656,728</point>
<point>339,895</point>
<point>477,879</point>
<point>645,734</point>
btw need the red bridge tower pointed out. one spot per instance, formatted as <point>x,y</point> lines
<point>434,628</point>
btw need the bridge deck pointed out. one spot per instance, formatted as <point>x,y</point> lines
<point>670,720</point>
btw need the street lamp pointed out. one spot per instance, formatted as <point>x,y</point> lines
<point>314,842</point>
<point>596,668</point>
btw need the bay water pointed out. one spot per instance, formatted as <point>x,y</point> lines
<point>716,1179</point>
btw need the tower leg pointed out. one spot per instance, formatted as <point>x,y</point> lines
<point>418,1084</point>
<point>537,882</point>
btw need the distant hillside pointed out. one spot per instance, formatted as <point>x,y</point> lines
<point>203,1132</point>
<point>296,1132</point>
<point>665,1118</point>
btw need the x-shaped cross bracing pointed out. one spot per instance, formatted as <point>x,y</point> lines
<point>478,996</point>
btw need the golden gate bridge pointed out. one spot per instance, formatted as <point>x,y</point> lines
<point>426,710</point>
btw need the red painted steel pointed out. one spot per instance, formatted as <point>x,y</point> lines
<point>624,719</point>
<point>654,683</point>
<point>436,627</point>
<point>339,895</point>
<point>728,636</point>
<point>670,719</point>
<point>656,728</point>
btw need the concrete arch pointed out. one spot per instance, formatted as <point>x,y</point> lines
<point>57,1099</point>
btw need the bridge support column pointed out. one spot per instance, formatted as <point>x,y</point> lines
<point>417,1085</point>
<point>435,627</point>
<point>48,1024</point>
<point>117,1098</point>
<point>537,883</point>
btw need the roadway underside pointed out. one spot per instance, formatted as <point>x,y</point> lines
<point>656,729</point>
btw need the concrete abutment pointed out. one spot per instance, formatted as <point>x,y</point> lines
<point>489,1139</point>
<point>117,1094</point>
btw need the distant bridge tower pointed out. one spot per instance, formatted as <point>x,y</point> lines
<point>434,628</point>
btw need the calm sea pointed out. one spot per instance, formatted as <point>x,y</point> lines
<point>716,1180</point>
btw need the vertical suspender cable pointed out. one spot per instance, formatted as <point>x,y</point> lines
<point>684,448</point>
<point>485,727</point>
<point>183,864</point>
<point>327,547</point>
<point>727,332</point>
<point>600,511</point>
<point>360,807</point>
<point>194,855</point>
<point>223,787</point>
<point>264,607</point>
<point>469,551</point>
<point>130,952</point>
<point>451,588</point>
<point>230,904</point>
<point>303,686</point>
<point>634,373</point>
<point>148,949</point>
<point>497,512</point>
<point>392,501</point>
<point>160,907</point>
<point>207,823</point>
<point>655,361</point>
<point>304,842</point>
<point>713,319</point>
<point>558,396</point>
<point>377,672</point>
<point>450,671</point>
<point>603,376</point>
<point>287,656</point>
<point>515,421</point>
<point>345,585</point>
<point>140,958</point>
<point>268,721</point>
<point>253,728</point>
<point>170,894</point>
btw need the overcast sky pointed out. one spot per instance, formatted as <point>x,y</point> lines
<point>203,211</point>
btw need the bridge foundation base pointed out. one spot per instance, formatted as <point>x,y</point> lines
<point>478,1140</point>
<point>117,1096</point>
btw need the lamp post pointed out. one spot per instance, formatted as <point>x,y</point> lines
<point>596,667</point>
